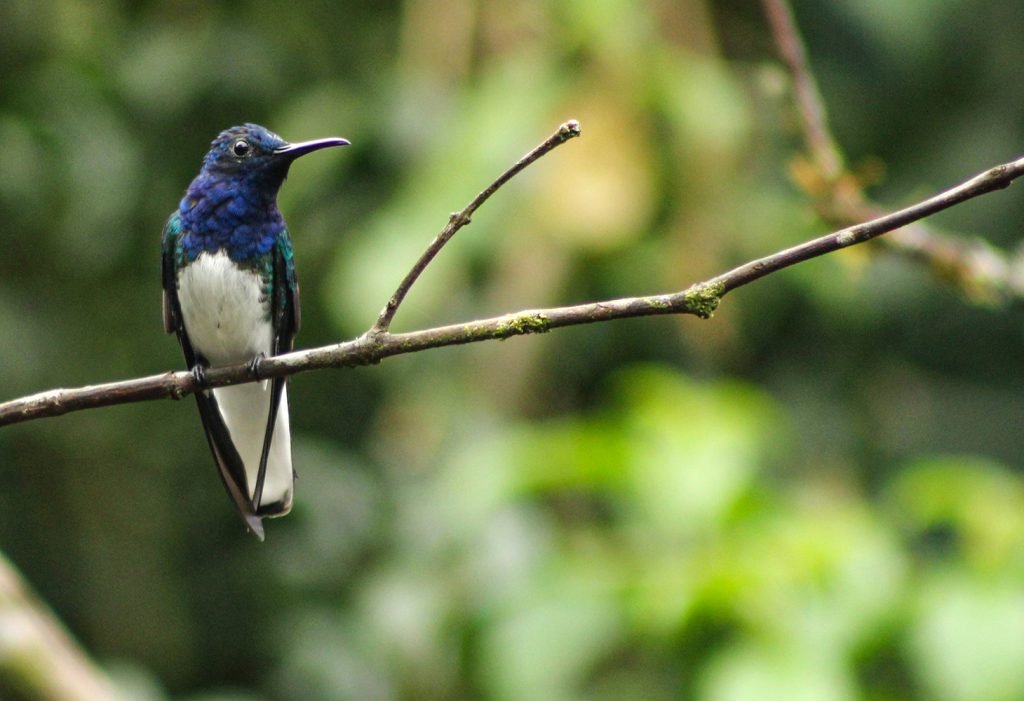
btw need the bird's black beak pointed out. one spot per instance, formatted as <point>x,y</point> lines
<point>293,151</point>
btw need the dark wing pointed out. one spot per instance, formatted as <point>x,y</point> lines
<point>286,294</point>
<point>285,314</point>
<point>168,250</point>
<point>229,463</point>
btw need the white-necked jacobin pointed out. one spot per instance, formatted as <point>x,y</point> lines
<point>231,295</point>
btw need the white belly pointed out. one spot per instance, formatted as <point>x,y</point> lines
<point>224,310</point>
<point>227,322</point>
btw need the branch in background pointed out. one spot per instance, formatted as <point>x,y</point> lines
<point>981,271</point>
<point>458,220</point>
<point>817,137</point>
<point>376,344</point>
<point>38,658</point>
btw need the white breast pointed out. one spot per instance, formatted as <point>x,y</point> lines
<point>223,310</point>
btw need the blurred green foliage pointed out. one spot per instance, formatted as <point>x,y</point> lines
<point>815,495</point>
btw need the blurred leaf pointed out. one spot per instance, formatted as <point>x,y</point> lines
<point>767,673</point>
<point>968,644</point>
<point>694,450</point>
<point>975,504</point>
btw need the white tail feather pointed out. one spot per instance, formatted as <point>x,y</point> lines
<point>245,409</point>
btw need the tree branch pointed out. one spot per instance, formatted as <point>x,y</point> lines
<point>700,299</point>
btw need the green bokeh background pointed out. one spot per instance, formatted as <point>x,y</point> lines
<point>815,495</point>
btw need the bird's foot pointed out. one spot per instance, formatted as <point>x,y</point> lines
<point>254,365</point>
<point>199,376</point>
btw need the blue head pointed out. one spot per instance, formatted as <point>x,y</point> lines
<point>232,203</point>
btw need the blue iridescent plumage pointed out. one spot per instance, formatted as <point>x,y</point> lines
<point>231,295</point>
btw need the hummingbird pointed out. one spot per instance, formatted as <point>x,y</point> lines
<point>231,295</point>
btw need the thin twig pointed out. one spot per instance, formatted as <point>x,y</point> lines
<point>457,220</point>
<point>700,300</point>
<point>997,178</point>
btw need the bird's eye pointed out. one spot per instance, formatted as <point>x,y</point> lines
<point>240,148</point>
